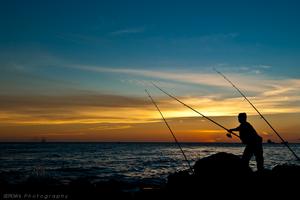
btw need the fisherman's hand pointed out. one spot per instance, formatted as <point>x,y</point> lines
<point>229,135</point>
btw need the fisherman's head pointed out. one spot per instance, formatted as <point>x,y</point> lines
<point>242,117</point>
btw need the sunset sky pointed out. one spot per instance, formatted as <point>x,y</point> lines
<point>77,70</point>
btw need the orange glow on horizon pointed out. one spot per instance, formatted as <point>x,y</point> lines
<point>140,123</point>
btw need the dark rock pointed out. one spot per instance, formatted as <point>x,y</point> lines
<point>220,174</point>
<point>223,165</point>
<point>286,171</point>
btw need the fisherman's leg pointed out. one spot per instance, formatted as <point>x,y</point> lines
<point>248,152</point>
<point>259,157</point>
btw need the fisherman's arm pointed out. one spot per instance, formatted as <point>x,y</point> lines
<point>230,131</point>
<point>234,129</point>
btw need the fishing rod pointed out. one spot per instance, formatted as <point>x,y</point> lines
<point>176,141</point>
<point>242,94</point>
<point>229,132</point>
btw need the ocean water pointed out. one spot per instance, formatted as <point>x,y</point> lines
<point>147,162</point>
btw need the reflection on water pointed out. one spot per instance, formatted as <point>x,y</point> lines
<point>128,161</point>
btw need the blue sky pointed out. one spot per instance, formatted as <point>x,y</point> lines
<point>41,38</point>
<point>74,62</point>
<point>156,34</point>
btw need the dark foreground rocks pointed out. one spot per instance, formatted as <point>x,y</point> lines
<point>219,176</point>
<point>225,175</point>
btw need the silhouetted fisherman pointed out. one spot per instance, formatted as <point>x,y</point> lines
<point>253,141</point>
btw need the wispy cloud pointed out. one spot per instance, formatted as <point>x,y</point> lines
<point>265,66</point>
<point>250,82</point>
<point>85,108</point>
<point>128,31</point>
<point>272,94</point>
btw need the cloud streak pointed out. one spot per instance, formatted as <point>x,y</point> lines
<point>85,108</point>
<point>127,31</point>
<point>209,79</point>
<point>51,101</point>
<point>104,108</point>
<point>268,94</point>
<point>255,82</point>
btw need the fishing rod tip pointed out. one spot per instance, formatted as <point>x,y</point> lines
<point>215,69</point>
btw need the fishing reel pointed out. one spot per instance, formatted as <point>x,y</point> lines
<point>229,135</point>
